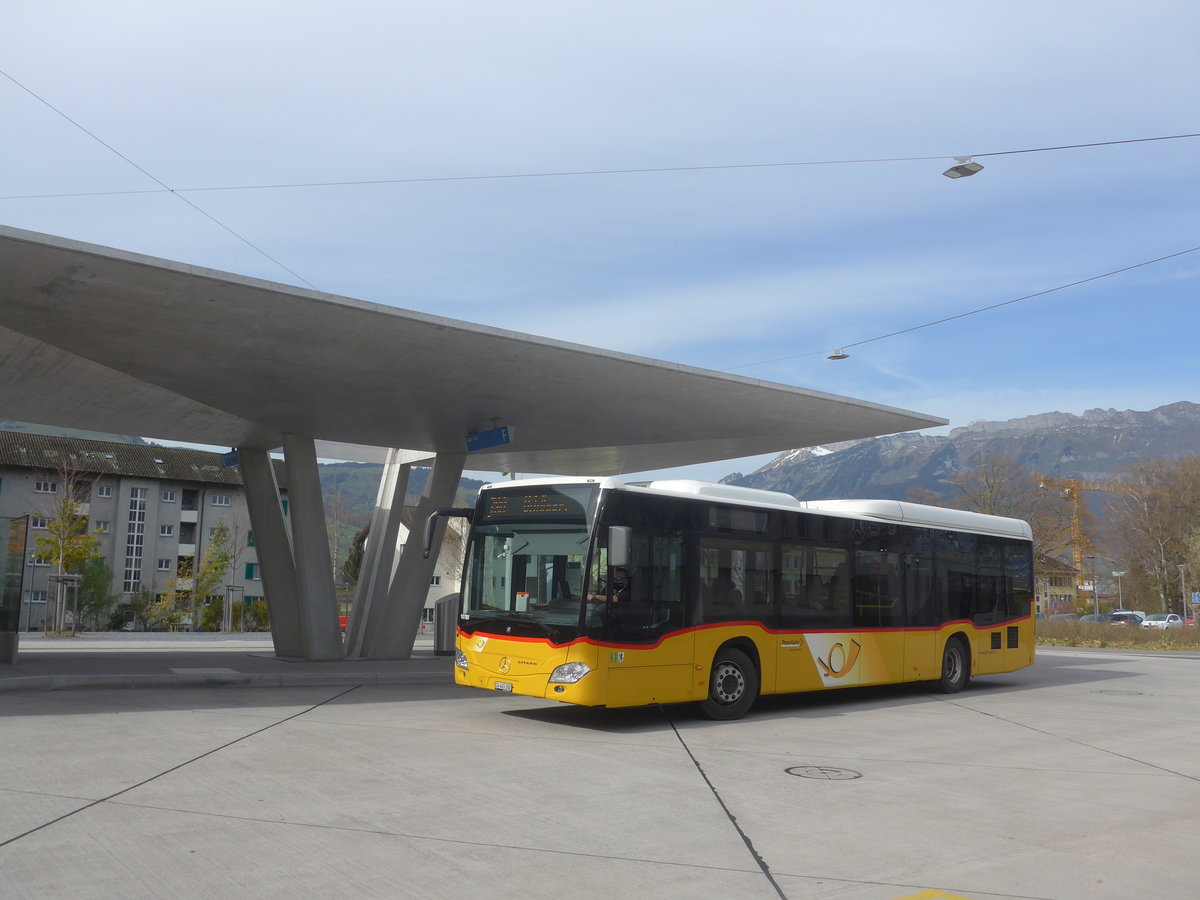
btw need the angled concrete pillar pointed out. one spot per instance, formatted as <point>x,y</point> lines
<point>296,569</point>
<point>375,573</point>
<point>316,597</point>
<point>273,545</point>
<point>392,627</point>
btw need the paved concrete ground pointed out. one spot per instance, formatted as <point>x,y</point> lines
<point>176,660</point>
<point>1077,778</point>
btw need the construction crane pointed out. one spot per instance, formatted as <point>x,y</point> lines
<point>1072,488</point>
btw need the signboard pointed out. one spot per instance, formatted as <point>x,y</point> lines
<point>230,459</point>
<point>485,440</point>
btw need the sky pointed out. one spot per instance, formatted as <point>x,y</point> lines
<point>804,209</point>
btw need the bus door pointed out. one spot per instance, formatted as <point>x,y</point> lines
<point>818,644</point>
<point>921,661</point>
<point>878,598</point>
<point>647,648</point>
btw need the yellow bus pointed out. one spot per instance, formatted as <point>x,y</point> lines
<point>601,593</point>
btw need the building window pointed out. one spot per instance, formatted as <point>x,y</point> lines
<point>436,580</point>
<point>36,559</point>
<point>45,487</point>
<point>166,530</point>
<point>37,596</point>
<point>168,496</point>
<point>252,573</point>
<point>220,500</point>
<point>134,536</point>
<point>101,526</point>
<point>164,565</point>
<point>104,491</point>
<point>38,522</point>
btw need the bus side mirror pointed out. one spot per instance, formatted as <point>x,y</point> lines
<point>431,523</point>
<point>620,539</point>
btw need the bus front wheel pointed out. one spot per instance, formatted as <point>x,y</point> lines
<point>956,666</point>
<point>732,686</point>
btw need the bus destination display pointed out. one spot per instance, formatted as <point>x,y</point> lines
<point>511,506</point>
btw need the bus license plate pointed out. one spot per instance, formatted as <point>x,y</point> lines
<point>504,686</point>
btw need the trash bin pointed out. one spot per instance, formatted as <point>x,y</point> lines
<point>445,625</point>
<point>12,566</point>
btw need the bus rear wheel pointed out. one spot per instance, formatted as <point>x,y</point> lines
<point>956,666</point>
<point>732,686</point>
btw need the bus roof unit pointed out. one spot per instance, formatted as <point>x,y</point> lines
<point>928,516</point>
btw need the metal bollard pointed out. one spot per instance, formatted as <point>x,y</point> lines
<point>445,624</point>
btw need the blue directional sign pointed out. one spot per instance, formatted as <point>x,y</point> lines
<point>485,440</point>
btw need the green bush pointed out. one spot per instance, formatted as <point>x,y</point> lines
<point>212,614</point>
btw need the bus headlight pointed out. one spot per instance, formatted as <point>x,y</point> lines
<point>569,673</point>
<point>460,659</point>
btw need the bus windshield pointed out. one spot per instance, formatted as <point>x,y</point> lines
<point>525,574</point>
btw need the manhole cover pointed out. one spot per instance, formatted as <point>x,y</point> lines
<point>824,773</point>
<point>1121,693</point>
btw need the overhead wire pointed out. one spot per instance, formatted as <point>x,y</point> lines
<point>432,179</point>
<point>982,309</point>
<point>178,192</point>
<point>165,188</point>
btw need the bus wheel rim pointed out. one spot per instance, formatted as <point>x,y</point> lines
<point>728,683</point>
<point>953,668</point>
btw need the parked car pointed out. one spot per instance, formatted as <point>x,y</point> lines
<point>1066,617</point>
<point>1095,619</point>
<point>1125,618</point>
<point>1140,613</point>
<point>1163,621</point>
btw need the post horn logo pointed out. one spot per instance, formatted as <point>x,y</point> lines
<point>840,660</point>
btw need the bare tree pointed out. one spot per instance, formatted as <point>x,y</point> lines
<point>1001,486</point>
<point>1153,524</point>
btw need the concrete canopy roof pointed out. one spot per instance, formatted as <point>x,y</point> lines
<point>97,338</point>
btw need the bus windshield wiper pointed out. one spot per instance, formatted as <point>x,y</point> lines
<point>516,618</point>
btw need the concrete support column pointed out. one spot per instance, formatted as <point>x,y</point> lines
<point>273,546</point>
<point>393,627</point>
<point>316,597</point>
<point>375,573</point>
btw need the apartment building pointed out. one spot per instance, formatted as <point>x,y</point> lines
<point>153,510</point>
<point>1056,582</point>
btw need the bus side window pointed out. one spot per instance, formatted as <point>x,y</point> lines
<point>815,588</point>
<point>736,580</point>
<point>954,575</point>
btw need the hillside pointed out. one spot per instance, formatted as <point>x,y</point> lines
<point>1092,446</point>
<point>350,490</point>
